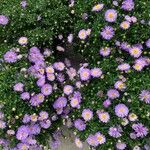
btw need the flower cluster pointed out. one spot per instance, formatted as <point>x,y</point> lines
<point>83,65</point>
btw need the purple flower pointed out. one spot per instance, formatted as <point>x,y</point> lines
<point>59,66</point>
<point>10,57</point>
<point>92,140</point>
<point>23,41</point>
<point>37,99</point>
<point>60,102</point>
<point>80,124</point>
<point>135,52</point>
<point>103,116</point>
<point>120,146</point>
<point>75,102</point>
<point>105,51</point>
<point>112,94</point>
<point>148,43</point>
<point>41,81</point>
<point>107,32</point>
<point>45,124</point>
<point>85,74</point>
<point>22,146</point>
<point>23,4</point>
<point>111,15</point>
<point>54,144</point>
<point>121,110</point>
<point>43,115</point>
<point>115,132</point>
<point>127,5</point>
<point>60,77</point>
<point>26,118</point>
<point>107,103</point>
<point>3,20</point>
<point>18,87</point>
<point>96,72</point>
<point>100,137</point>
<point>46,89</point>
<point>145,96</point>
<point>124,67</point>
<point>87,114</point>
<point>34,129</point>
<point>68,89</point>
<point>2,124</point>
<point>22,132</point>
<point>140,130</point>
<point>125,25</point>
<point>82,34</point>
<point>25,96</point>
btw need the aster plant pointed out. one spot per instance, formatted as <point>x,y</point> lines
<point>83,64</point>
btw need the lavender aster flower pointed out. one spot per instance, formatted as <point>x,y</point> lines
<point>2,124</point>
<point>121,110</point>
<point>85,74</point>
<point>18,87</point>
<point>148,43</point>
<point>23,4</point>
<point>79,124</point>
<point>46,89</point>
<point>60,102</point>
<point>26,118</point>
<point>3,20</point>
<point>101,138</point>
<point>140,130</point>
<point>54,144</point>
<point>10,57</point>
<point>120,146</point>
<point>22,146</point>
<point>25,96</point>
<point>92,140</point>
<point>111,15</point>
<point>107,32</point>
<point>124,67</point>
<point>105,51</point>
<point>22,132</point>
<point>87,114</point>
<point>115,132</point>
<point>37,99</point>
<point>68,89</point>
<point>145,96</point>
<point>112,94</point>
<point>43,115</point>
<point>96,72</point>
<point>34,129</point>
<point>45,124</point>
<point>127,5</point>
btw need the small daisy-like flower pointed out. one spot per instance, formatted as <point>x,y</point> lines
<point>46,89</point>
<point>125,25</point>
<point>10,57</point>
<point>120,85</point>
<point>87,114</point>
<point>148,43</point>
<point>18,87</point>
<point>96,72</point>
<point>145,96</point>
<point>50,76</point>
<point>74,102</point>
<point>34,118</point>
<point>2,124</point>
<point>43,115</point>
<point>49,69</point>
<point>112,94</point>
<point>3,20</point>
<point>121,110</point>
<point>115,132</point>
<point>103,116</point>
<point>105,51</point>
<point>80,124</point>
<point>121,146</point>
<point>59,66</point>
<point>68,89</point>
<point>98,7</point>
<point>135,52</point>
<point>23,41</point>
<point>82,34</point>
<point>111,15</point>
<point>101,138</point>
<point>140,130</point>
<point>107,32</point>
<point>138,67</point>
<point>92,140</point>
<point>127,5</point>
<point>124,67</point>
<point>132,117</point>
<point>78,143</point>
<point>85,74</point>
